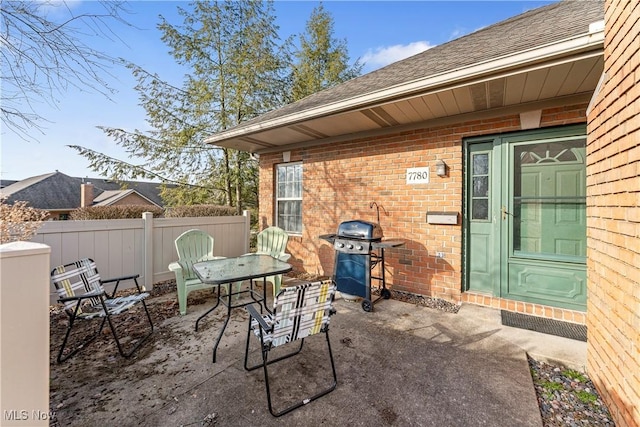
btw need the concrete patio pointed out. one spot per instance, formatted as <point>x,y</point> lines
<point>401,364</point>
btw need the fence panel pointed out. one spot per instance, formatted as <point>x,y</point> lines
<point>123,247</point>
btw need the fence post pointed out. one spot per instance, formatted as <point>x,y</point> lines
<point>24,333</point>
<point>147,218</point>
<point>247,230</point>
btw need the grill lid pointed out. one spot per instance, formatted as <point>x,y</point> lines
<point>359,229</point>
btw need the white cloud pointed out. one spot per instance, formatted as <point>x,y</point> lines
<point>382,56</point>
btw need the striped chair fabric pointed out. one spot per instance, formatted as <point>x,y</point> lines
<point>300,311</point>
<point>81,278</point>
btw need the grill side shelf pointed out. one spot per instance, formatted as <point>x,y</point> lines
<point>328,237</point>
<point>384,244</point>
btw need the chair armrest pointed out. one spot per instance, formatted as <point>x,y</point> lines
<point>117,279</point>
<point>256,315</point>
<point>210,258</point>
<point>120,279</point>
<point>175,266</point>
<point>284,257</point>
<point>83,296</point>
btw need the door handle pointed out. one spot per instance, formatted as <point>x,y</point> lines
<point>504,213</point>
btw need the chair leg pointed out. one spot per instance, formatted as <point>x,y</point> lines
<point>302,402</point>
<point>140,341</point>
<point>226,288</point>
<point>238,287</point>
<point>84,343</point>
<point>254,367</point>
<point>277,284</point>
<point>182,299</point>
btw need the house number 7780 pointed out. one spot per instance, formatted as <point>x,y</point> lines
<point>418,175</point>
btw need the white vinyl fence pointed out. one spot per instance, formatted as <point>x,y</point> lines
<point>138,246</point>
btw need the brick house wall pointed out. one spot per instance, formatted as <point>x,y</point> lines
<point>341,180</point>
<point>613,219</point>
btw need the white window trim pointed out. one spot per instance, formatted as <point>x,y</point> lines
<point>278,199</point>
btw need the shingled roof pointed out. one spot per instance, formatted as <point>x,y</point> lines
<point>57,191</point>
<point>531,30</point>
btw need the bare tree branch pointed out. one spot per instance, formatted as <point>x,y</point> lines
<point>46,53</point>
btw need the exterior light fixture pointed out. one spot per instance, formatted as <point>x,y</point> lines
<point>441,168</point>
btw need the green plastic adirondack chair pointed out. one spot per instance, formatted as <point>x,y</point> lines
<point>273,241</point>
<point>192,246</point>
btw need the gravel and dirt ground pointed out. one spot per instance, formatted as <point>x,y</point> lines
<point>87,382</point>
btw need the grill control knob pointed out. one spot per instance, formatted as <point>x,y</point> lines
<point>349,246</point>
<point>359,247</point>
<point>340,245</point>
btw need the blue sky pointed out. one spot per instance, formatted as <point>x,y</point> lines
<point>377,32</point>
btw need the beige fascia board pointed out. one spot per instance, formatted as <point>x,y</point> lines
<point>571,46</point>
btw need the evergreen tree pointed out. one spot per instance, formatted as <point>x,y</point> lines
<point>322,60</point>
<point>236,73</point>
<point>237,70</point>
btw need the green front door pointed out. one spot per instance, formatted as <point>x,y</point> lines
<point>525,223</point>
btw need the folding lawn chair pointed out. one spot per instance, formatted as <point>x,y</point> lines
<point>299,312</point>
<point>81,290</point>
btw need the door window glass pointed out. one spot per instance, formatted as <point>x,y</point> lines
<point>549,202</point>
<point>480,186</point>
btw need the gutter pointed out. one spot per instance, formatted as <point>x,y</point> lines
<point>589,41</point>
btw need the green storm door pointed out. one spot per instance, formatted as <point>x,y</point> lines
<point>525,217</point>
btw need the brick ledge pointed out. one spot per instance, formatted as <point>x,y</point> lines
<point>546,311</point>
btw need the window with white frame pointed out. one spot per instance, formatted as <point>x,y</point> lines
<point>289,197</point>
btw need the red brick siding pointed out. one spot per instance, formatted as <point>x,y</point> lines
<point>341,180</point>
<point>613,219</point>
<point>563,314</point>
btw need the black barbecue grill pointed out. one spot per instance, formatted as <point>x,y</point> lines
<point>359,250</point>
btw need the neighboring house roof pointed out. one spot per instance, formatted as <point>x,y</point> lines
<point>108,198</point>
<point>148,190</point>
<point>545,53</point>
<point>57,191</point>
<point>52,191</point>
<point>6,182</point>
